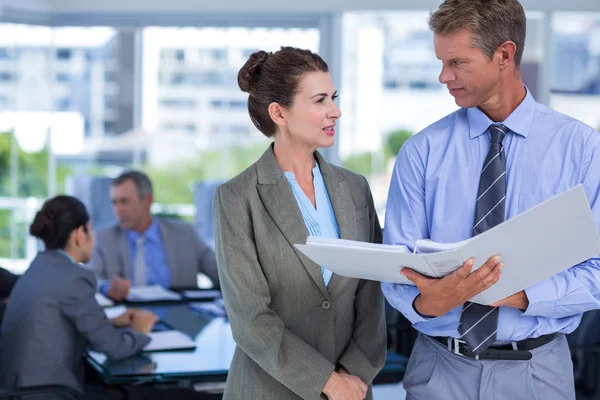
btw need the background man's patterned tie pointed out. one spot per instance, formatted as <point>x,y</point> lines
<point>478,323</point>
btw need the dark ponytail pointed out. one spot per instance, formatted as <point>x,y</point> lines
<point>56,220</point>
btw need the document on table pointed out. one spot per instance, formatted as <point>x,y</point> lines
<point>114,312</point>
<point>169,340</point>
<point>535,245</point>
<point>201,294</point>
<point>103,300</point>
<point>151,293</point>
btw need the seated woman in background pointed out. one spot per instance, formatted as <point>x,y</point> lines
<point>52,314</point>
<point>7,282</point>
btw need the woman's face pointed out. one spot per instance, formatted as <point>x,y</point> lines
<point>86,242</point>
<point>310,120</point>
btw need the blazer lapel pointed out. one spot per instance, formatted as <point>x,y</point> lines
<point>170,252</point>
<point>279,200</point>
<point>124,254</point>
<point>343,208</point>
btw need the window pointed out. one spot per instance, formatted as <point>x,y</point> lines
<point>7,76</point>
<point>575,66</point>
<point>63,54</point>
<point>194,106</point>
<point>4,53</point>
<point>63,77</point>
<point>229,104</point>
<point>177,103</point>
<point>63,104</point>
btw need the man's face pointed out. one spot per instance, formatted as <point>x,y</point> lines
<point>470,76</point>
<point>130,209</point>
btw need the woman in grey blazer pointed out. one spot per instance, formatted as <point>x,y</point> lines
<point>53,315</point>
<point>301,332</point>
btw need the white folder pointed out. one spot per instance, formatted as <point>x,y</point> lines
<point>535,245</point>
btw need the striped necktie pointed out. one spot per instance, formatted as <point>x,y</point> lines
<point>479,323</point>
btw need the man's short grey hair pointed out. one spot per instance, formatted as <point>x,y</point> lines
<point>140,179</point>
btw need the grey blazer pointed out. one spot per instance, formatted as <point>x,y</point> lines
<point>51,317</point>
<point>291,331</point>
<point>186,254</point>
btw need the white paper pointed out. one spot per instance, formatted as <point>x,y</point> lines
<point>169,340</point>
<point>114,312</point>
<point>210,308</point>
<point>535,245</point>
<point>151,293</point>
<point>425,246</point>
<point>103,300</point>
<point>201,294</point>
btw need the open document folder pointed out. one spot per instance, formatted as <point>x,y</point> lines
<point>169,340</point>
<point>543,241</point>
<point>151,293</point>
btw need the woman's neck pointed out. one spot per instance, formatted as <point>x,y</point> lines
<point>73,254</point>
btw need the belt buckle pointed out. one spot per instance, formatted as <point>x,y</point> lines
<point>456,346</point>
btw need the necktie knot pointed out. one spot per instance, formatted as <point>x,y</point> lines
<point>498,131</point>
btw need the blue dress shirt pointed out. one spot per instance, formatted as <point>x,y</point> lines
<point>157,272</point>
<point>433,192</point>
<point>320,221</point>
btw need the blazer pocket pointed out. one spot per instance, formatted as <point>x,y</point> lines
<point>362,213</point>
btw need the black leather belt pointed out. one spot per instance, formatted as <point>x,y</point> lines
<point>502,352</point>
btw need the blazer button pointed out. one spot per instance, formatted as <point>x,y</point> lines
<point>326,305</point>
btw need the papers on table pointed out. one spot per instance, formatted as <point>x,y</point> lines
<point>201,294</point>
<point>543,241</point>
<point>169,340</point>
<point>103,300</point>
<point>114,312</point>
<point>215,308</point>
<point>151,293</point>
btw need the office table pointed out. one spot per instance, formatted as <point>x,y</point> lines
<point>203,369</point>
<point>208,363</point>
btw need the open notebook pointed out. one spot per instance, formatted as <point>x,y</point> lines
<point>169,340</point>
<point>543,241</point>
<point>151,293</point>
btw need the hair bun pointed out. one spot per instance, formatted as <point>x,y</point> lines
<point>251,70</point>
<point>42,226</point>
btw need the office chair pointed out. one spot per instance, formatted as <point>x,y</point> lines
<point>40,390</point>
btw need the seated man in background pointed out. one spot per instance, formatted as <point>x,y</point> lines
<point>144,250</point>
<point>7,282</point>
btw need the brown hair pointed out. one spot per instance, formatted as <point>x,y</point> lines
<point>275,77</point>
<point>491,22</point>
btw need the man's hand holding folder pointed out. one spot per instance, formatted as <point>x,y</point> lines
<point>438,296</point>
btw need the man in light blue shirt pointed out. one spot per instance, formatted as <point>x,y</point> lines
<point>499,155</point>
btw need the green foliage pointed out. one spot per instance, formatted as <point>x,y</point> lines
<point>32,171</point>
<point>360,163</point>
<point>32,182</point>
<point>173,184</point>
<point>395,140</point>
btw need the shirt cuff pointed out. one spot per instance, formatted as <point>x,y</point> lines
<point>104,287</point>
<point>426,317</point>
<point>542,299</point>
<point>413,315</point>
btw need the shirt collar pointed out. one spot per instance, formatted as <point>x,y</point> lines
<point>64,253</point>
<point>316,171</point>
<point>150,234</point>
<point>519,121</point>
